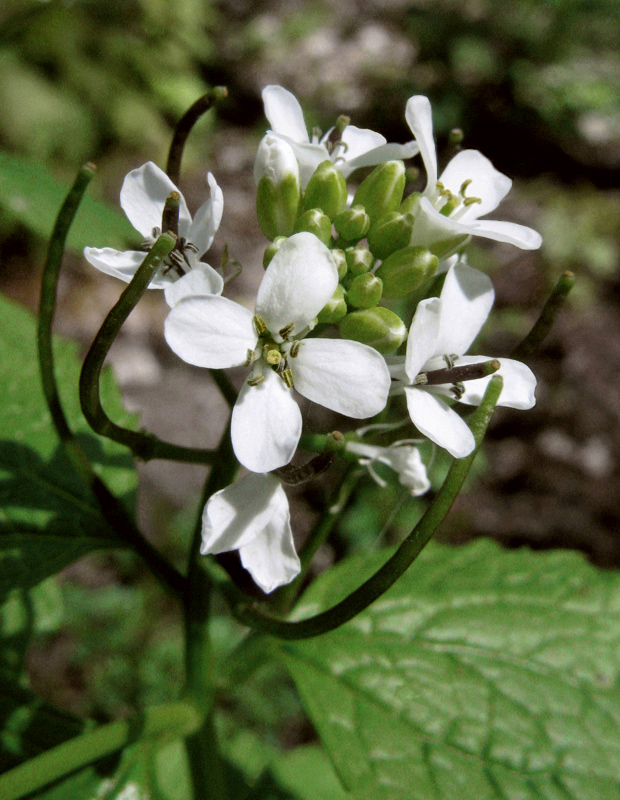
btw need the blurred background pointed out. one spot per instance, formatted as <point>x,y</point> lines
<point>533,84</point>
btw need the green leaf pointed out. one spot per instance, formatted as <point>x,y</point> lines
<point>308,774</point>
<point>48,518</point>
<point>482,673</point>
<point>30,195</point>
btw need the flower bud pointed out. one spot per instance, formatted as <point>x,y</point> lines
<point>316,222</point>
<point>365,291</point>
<point>272,249</point>
<point>378,327</point>
<point>382,190</point>
<point>335,309</point>
<point>405,270</point>
<point>410,203</point>
<point>278,189</point>
<point>359,260</point>
<point>353,223</point>
<point>390,233</point>
<point>326,190</point>
<point>341,263</point>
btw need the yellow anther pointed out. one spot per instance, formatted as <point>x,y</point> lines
<point>256,380</point>
<point>469,201</point>
<point>286,331</point>
<point>259,324</point>
<point>294,348</point>
<point>249,359</point>
<point>287,377</point>
<point>464,186</point>
<point>271,356</point>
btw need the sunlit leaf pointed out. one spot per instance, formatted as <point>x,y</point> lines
<point>482,673</point>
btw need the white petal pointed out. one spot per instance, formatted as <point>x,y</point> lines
<point>487,183</point>
<point>439,422</point>
<point>271,558</point>
<point>359,141</point>
<point>517,391</point>
<point>200,280</point>
<point>275,160</point>
<point>431,228</point>
<point>119,264</point>
<point>308,156</point>
<point>266,424</point>
<point>284,113</point>
<point>379,155</point>
<point>207,219</point>
<point>420,119</point>
<point>422,339</point>
<point>210,332</point>
<point>345,376</point>
<point>236,515</point>
<point>300,279</point>
<point>509,232</point>
<point>466,302</point>
<point>407,462</point>
<point>143,195</point>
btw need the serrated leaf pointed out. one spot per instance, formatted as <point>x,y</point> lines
<point>48,517</point>
<point>30,195</point>
<point>482,673</point>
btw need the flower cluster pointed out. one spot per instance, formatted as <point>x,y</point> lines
<point>320,327</point>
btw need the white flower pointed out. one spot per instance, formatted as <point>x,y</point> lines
<point>345,376</point>
<point>356,147</point>
<point>442,330</point>
<point>403,457</point>
<point>467,189</point>
<point>143,196</point>
<point>252,516</point>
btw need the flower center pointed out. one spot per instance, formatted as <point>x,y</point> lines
<point>453,205</point>
<point>272,353</point>
<point>178,261</point>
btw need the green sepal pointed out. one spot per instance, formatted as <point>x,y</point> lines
<point>353,223</point>
<point>316,222</point>
<point>336,307</point>
<point>277,206</point>
<point>272,249</point>
<point>365,291</point>
<point>392,232</point>
<point>405,270</point>
<point>359,260</point>
<point>378,327</point>
<point>382,191</point>
<point>326,190</point>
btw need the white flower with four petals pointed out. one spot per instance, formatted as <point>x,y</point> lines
<point>344,376</point>
<point>143,196</point>
<point>442,330</point>
<point>355,148</point>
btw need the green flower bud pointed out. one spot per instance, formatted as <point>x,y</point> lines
<point>353,223</point>
<point>316,222</point>
<point>272,249</point>
<point>378,327</point>
<point>365,291</point>
<point>390,233</point>
<point>359,260</point>
<point>278,188</point>
<point>341,263</point>
<point>327,190</point>
<point>405,270</point>
<point>410,203</point>
<point>382,190</point>
<point>336,307</point>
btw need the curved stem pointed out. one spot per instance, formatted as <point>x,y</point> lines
<point>547,317</point>
<point>144,445</point>
<point>172,720</point>
<point>184,127</point>
<point>394,567</point>
<point>112,510</point>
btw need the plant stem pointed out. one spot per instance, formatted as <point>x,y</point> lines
<point>547,317</point>
<point>171,720</point>
<point>113,511</point>
<point>388,574</point>
<point>144,445</point>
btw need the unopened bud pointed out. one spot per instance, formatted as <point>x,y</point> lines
<point>272,249</point>
<point>341,263</point>
<point>410,203</point>
<point>390,233</point>
<point>335,308</point>
<point>365,291</point>
<point>378,327</point>
<point>359,260</point>
<point>353,223</point>
<point>456,136</point>
<point>326,190</point>
<point>382,190</point>
<point>316,222</point>
<point>278,188</point>
<point>405,270</point>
